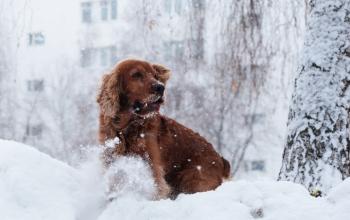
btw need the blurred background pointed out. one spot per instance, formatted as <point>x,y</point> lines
<point>232,63</point>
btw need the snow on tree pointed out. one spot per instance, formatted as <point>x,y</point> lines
<point>317,150</point>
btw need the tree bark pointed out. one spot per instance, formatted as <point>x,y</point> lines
<point>317,149</point>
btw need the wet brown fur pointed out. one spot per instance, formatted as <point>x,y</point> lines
<point>182,161</point>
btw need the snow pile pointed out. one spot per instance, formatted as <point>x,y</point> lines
<point>240,200</point>
<point>34,186</point>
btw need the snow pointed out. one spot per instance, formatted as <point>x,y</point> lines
<point>34,186</point>
<point>111,143</point>
<point>319,112</point>
<point>134,179</point>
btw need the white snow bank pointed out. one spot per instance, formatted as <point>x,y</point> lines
<point>35,186</point>
<point>240,200</point>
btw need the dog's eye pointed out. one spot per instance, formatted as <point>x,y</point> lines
<point>137,75</point>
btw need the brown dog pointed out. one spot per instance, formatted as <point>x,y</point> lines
<point>182,161</point>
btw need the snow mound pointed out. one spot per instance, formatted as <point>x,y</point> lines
<point>34,186</point>
<point>240,200</point>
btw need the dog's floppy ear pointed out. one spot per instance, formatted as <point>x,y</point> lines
<point>163,72</point>
<point>108,97</point>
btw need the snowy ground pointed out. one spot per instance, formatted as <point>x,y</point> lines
<point>35,186</point>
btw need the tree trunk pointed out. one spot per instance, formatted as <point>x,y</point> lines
<point>317,149</point>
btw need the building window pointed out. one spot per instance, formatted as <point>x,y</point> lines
<point>34,130</point>
<point>178,6</point>
<point>102,56</point>
<point>104,10</point>
<point>198,4</point>
<point>86,57</point>
<point>35,85</point>
<point>167,6</point>
<point>113,55</point>
<point>258,165</point>
<point>174,6</point>
<point>86,9</point>
<point>36,39</point>
<point>108,55</point>
<point>255,165</point>
<point>174,49</point>
<point>108,10</point>
<point>114,9</point>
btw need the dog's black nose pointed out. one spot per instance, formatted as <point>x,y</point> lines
<point>158,88</point>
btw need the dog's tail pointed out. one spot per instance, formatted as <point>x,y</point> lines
<point>227,168</point>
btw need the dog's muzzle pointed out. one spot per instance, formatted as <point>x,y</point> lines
<point>158,88</point>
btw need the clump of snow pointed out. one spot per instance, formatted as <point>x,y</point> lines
<point>34,186</point>
<point>111,143</point>
<point>130,176</point>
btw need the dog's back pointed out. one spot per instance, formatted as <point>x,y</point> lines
<point>190,163</point>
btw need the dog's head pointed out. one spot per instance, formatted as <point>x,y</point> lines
<point>133,85</point>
